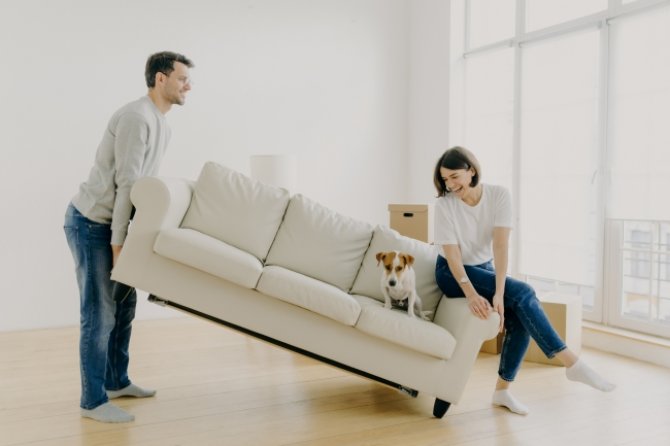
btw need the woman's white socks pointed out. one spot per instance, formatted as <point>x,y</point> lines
<point>108,413</point>
<point>505,399</point>
<point>581,372</point>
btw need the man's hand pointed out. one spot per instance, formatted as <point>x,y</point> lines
<point>116,251</point>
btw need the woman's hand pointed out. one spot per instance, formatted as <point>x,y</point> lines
<point>479,306</point>
<point>499,307</point>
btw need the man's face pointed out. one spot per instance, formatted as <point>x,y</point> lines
<point>177,84</point>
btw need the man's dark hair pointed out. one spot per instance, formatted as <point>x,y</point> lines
<point>163,62</point>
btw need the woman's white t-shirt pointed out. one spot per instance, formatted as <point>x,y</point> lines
<point>471,227</point>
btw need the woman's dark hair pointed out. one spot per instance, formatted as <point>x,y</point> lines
<point>163,62</point>
<point>455,158</point>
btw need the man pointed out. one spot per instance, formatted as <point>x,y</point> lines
<point>96,223</point>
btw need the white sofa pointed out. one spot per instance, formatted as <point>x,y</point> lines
<point>292,272</point>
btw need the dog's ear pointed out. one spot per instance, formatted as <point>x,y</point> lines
<point>409,259</point>
<point>379,257</point>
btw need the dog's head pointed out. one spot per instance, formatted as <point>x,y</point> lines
<point>395,265</point>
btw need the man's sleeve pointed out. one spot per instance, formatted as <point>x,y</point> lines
<point>130,146</point>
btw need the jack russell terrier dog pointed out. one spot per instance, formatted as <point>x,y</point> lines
<point>398,282</point>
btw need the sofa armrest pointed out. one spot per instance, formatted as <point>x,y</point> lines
<point>160,203</point>
<point>469,331</point>
<point>455,316</point>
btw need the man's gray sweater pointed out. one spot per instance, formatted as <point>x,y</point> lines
<point>132,147</point>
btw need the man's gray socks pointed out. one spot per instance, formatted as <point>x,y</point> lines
<point>108,413</point>
<point>131,390</point>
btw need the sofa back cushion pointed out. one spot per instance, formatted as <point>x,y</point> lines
<point>236,209</point>
<point>320,243</point>
<point>385,239</point>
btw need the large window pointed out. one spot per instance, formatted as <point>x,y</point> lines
<point>559,129</point>
<point>568,104</point>
<point>639,114</point>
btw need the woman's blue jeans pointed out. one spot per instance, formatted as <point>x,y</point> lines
<point>107,309</point>
<point>524,316</point>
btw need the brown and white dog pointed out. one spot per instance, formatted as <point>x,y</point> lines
<point>398,282</point>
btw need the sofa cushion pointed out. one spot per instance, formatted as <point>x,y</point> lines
<point>397,327</point>
<point>385,239</point>
<point>320,243</point>
<point>310,294</point>
<point>236,209</point>
<point>208,254</point>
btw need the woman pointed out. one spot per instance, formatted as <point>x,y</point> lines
<point>472,224</point>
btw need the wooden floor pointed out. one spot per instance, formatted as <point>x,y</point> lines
<point>218,387</point>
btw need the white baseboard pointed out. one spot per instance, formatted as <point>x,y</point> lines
<point>626,343</point>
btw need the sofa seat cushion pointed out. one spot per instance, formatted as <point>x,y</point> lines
<point>425,256</point>
<point>397,327</point>
<point>208,254</point>
<point>308,293</point>
<point>236,209</point>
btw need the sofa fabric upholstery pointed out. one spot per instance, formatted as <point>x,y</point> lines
<point>311,294</point>
<point>230,206</point>
<point>320,243</point>
<point>394,326</point>
<point>205,253</point>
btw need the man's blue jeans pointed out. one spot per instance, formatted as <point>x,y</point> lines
<point>524,316</point>
<point>107,309</point>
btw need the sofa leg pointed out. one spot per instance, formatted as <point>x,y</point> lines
<point>440,408</point>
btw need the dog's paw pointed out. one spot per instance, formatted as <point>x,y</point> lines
<point>425,315</point>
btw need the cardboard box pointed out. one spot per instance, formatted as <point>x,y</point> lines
<point>412,220</point>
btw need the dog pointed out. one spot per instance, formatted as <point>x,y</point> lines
<point>398,282</point>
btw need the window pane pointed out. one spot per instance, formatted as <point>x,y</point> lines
<point>646,286</point>
<point>544,13</point>
<point>664,273</point>
<point>489,113</point>
<point>665,249</point>
<point>490,21</point>
<point>559,147</point>
<point>640,116</point>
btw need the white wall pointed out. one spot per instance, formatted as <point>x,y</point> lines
<point>324,80</point>
<point>428,95</point>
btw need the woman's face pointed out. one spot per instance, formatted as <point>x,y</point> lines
<point>457,181</point>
